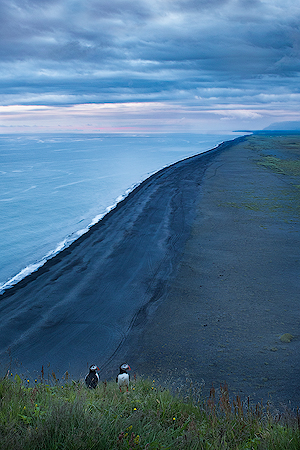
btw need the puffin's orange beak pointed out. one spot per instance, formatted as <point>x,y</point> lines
<point>129,368</point>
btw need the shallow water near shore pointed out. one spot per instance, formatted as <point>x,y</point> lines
<point>53,187</point>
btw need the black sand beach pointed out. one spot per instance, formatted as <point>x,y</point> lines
<point>193,277</point>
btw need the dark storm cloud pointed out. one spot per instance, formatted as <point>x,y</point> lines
<point>110,50</point>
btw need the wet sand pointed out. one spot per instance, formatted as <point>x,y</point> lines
<point>193,277</point>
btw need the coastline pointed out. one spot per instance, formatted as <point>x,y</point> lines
<point>92,188</point>
<point>80,304</point>
<point>193,276</point>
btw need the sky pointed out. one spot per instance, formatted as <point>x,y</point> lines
<point>143,66</point>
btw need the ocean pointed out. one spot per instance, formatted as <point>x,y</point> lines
<point>53,188</point>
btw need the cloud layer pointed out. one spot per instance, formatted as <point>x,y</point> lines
<point>231,60</point>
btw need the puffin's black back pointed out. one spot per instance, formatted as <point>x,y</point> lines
<point>91,380</point>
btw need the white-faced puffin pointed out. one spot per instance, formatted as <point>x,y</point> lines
<point>92,378</point>
<point>123,378</point>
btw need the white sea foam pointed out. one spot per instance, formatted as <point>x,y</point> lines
<point>29,189</point>
<point>22,274</point>
<point>11,199</point>
<point>63,244</point>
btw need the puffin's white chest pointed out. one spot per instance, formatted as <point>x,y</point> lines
<point>123,380</point>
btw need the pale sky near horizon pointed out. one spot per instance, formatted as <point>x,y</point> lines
<point>148,65</point>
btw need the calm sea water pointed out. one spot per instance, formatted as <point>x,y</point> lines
<point>54,187</point>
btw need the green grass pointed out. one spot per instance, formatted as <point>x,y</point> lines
<point>69,416</point>
<point>281,166</point>
<point>284,160</point>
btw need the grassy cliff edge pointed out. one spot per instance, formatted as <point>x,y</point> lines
<point>56,415</point>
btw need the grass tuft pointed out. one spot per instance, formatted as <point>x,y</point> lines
<point>69,416</point>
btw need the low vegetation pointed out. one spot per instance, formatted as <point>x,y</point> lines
<point>282,166</point>
<point>52,415</point>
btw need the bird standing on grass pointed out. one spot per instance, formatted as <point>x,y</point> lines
<point>92,378</point>
<point>123,378</point>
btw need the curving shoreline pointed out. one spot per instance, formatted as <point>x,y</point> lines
<point>80,304</point>
<point>176,280</point>
<point>67,241</point>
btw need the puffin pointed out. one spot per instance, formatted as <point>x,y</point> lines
<point>123,378</point>
<point>92,378</point>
